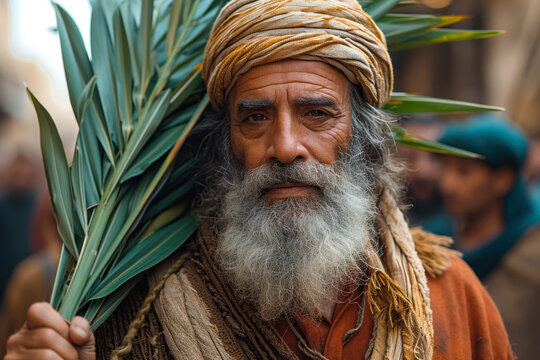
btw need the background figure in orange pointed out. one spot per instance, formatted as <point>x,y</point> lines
<point>33,279</point>
<point>422,171</point>
<point>494,221</point>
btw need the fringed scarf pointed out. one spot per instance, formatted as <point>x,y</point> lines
<point>397,291</point>
<point>202,319</point>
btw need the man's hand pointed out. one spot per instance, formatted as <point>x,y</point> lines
<point>46,335</point>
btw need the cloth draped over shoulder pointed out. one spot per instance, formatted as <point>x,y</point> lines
<point>250,33</point>
<point>196,315</point>
<point>501,145</point>
<point>397,294</point>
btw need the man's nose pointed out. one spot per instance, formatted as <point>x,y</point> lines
<point>448,181</point>
<point>287,141</point>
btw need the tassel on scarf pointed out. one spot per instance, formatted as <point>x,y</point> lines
<point>433,251</point>
<point>388,300</point>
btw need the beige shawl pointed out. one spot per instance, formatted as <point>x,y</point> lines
<point>397,293</point>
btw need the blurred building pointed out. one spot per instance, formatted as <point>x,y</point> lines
<point>513,60</point>
<point>18,125</point>
<point>503,70</point>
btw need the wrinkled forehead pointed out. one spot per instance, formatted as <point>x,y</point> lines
<point>301,80</point>
<point>251,33</point>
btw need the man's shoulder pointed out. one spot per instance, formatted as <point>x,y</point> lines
<point>466,322</point>
<point>458,275</point>
<point>444,267</point>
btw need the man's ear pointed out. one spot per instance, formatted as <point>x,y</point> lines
<point>503,180</point>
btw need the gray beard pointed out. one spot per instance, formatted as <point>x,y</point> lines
<point>298,253</point>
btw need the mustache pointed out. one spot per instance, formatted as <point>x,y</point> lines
<point>258,181</point>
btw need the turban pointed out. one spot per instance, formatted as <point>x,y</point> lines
<point>493,137</point>
<point>249,33</point>
<point>501,144</point>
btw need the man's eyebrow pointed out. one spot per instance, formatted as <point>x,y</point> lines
<point>316,101</point>
<point>249,104</point>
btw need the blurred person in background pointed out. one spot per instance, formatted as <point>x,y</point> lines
<point>494,221</point>
<point>32,280</point>
<point>422,171</point>
<point>532,169</point>
<point>17,199</point>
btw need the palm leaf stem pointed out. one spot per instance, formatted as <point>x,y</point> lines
<point>166,70</point>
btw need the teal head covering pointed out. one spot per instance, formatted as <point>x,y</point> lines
<point>501,145</point>
<point>491,136</point>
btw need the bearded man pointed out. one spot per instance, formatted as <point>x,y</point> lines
<point>302,252</point>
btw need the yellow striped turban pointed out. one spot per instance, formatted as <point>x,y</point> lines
<point>250,33</point>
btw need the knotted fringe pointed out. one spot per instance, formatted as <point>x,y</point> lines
<point>433,250</point>
<point>388,300</point>
<point>398,289</point>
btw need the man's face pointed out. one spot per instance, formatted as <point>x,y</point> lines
<point>290,110</point>
<point>21,175</point>
<point>423,168</point>
<point>468,186</point>
<point>297,205</point>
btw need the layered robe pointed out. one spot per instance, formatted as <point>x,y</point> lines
<point>198,316</point>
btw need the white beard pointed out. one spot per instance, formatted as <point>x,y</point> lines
<point>298,253</point>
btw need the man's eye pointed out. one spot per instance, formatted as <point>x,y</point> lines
<point>317,113</point>
<point>253,118</point>
<point>463,170</point>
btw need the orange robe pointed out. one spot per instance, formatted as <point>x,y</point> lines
<point>466,323</point>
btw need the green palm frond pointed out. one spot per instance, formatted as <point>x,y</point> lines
<point>437,36</point>
<point>401,103</point>
<point>122,205</point>
<point>404,137</point>
<point>408,31</point>
<point>126,194</point>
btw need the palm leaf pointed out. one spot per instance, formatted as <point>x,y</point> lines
<point>401,103</point>
<point>147,253</point>
<point>58,179</point>
<point>437,36</point>
<point>77,66</point>
<point>61,278</point>
<point>103,308</point>
<point>143,47</point>
<point>403,137</point>
<point>377,9</point>
<point>124,78</point>
<point>103,59</point>
<point>79,196</point>
<point>174,20</point>
<point>399,27</point>
<point>79,72</point>
<point>155,149</point>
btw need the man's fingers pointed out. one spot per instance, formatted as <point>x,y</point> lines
<point>46,335</point>
<point>43,338</point>
<point>42,314</point>
<point>33,354</point>
<point>81,334</point>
